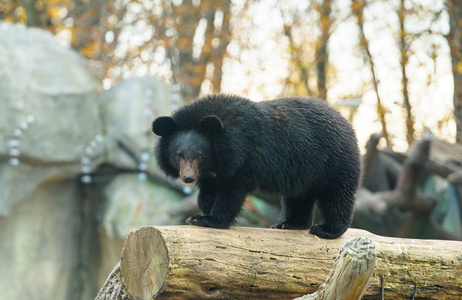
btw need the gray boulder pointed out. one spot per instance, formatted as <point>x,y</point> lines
<point>128,110</point>
<point>42,79</point>
<point>48,111</point>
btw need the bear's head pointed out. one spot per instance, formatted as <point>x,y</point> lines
<point>186,153</point>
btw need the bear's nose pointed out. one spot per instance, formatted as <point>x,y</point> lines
<point>188,178</point>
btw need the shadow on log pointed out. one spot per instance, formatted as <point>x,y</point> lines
<point>189,262</point>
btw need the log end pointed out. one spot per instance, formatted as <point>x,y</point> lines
<point>144,263</point>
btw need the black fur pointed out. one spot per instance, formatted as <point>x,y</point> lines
<point>299,148</point>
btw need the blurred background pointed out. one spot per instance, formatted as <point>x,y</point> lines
<point>81,82</point>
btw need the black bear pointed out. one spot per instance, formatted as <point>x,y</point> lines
<point>300,148</point>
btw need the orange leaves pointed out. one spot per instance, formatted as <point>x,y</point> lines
<point>135,34</point>
<point>90,50</point>
<point>357,6</point>
<point>459,67</point>
<point>325,21</point>
<point>184,42</point>
<point>55,12</point>
<point>11,11</point>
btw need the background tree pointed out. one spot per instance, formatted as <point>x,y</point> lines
<point>309,53</point>
<point>184,40</point>
<point>357,8</point>
<point>197,43</point>
<point>403,47</point>
<point>322,56</point>
<point>454,38</point>
<point>195,37</point>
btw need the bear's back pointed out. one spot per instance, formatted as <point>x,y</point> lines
<point>307,144</point>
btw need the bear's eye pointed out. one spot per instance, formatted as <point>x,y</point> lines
<point>200,156</point>
<point>178,156</point>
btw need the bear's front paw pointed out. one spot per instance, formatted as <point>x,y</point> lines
<point>206,221</point>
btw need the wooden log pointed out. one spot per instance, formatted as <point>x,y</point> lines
<point>350,274</point>
<point>189,262</point>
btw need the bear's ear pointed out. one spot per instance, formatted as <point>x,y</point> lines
<point>164,126</point>
<point>211,125</point>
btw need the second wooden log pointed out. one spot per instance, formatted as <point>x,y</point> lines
<point>350,274</point>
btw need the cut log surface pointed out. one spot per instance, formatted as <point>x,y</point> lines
<point>144,264</point>
<point>190,262</point>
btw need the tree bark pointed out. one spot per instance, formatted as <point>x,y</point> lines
<point>189,262</point>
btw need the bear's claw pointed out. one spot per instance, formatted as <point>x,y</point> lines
<point>206,221</point>
<point>191,221</point>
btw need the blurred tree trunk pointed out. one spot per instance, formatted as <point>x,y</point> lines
<point>404,55</point>
<point>87,17</point>
<point>223,37</point>
<point>91,24</point>
<point>357,7</point>
<point>454,39</point>
<point>322,55</point>
<point>187,18</point>
<point>189,70</point>
<point>33,18</point>
<point>305,64</point>
<point>298,64</point>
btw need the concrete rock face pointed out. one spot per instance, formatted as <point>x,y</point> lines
<point>40,255</point>
<point>132,203</point>
<point>42,79</point>
<point>128,110</point>
<point>60,237</point>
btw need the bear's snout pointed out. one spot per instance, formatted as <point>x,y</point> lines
<point>189,171</point>
<point>188,178</point>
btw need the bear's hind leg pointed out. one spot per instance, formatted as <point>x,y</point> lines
<point>296,213</point>
<point>337,212</point>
